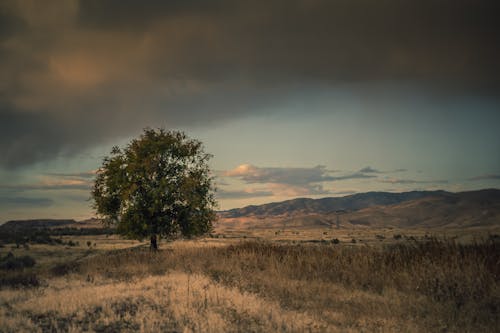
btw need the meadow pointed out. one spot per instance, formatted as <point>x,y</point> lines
<point>266,281</point>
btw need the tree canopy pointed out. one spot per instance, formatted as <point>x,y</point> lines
<point>159,184</point>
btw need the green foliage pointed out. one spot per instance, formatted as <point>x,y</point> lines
<point>160,184</point>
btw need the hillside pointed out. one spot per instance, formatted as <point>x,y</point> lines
<point>36,223</point>
<point>466,209</point>
<point>374,209</point>
<point>331,204</point>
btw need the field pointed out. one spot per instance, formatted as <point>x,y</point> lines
<point>296,280</point>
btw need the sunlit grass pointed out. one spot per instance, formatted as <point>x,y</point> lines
<point>230,285</point>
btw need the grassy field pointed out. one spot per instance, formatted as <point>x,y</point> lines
<point>265,281</point>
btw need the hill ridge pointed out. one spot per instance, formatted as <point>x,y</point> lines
<point>351,202</point>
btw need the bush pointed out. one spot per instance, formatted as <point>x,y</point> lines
<point>64,268</point>
<point>19,280</point>
<point>9,262</point>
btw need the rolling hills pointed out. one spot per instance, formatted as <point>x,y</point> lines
<point>427,209</point>
<point>374,209</point>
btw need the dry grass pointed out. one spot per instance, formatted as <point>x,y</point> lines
<point>173,302</point>
<point>264,286</point>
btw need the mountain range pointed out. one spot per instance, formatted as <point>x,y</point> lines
<point>427,209</point>
<point>374,209</point>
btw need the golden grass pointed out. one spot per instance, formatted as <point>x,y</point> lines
<point>268,286</point>
<point>177,301</point>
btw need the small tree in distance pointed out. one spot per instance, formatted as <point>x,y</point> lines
<point>158,185</point>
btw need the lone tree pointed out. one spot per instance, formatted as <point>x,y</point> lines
<point>158,185</point>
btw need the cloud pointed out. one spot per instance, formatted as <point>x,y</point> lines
<point>287,190</point>
<point>77,175</point>
<point>290,176</point>
<point>369,169</point>
<point>411,181</point>
<point>243,194</point>
<point>51,183</point>
<point>291,181</point>
<point>288,182</point>
<point>355,175</point>
<point>47,187</point>
<point>345,192</point>
<point>25,202</point>
<point>77,73</point>
<point>489,176</point>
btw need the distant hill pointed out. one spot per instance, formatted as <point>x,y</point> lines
<point>374,209</point>
<point>40,223</point>
<point>43,231</point>
<point>464,209</point>
<point>330,205</point>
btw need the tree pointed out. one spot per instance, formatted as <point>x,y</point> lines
<point>158,185</point>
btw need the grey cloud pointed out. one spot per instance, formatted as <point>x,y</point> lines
<point>72,76</point>
<point>84,175</point>
<point>46,187</point>
<point>25,201</point>
<point>489,176</point>
<point>290,182</point>
<point>222,194</point>
<point>281,190</point>
<point>291,176</point>
<point>412,181</point>
<point>369,169</point>
<point>343,192</point>
<point>332,40</point>
<point>356,175</point>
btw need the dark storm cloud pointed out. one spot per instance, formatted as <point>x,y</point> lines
<point>73,74</point>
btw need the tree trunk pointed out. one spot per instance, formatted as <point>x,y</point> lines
<point>154,243</point>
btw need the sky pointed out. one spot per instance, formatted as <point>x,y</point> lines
<point>294,98</point>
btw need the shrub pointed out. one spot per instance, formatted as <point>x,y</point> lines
<point>63,268</point>
<point>9,262</point>
<point>19,280</point>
